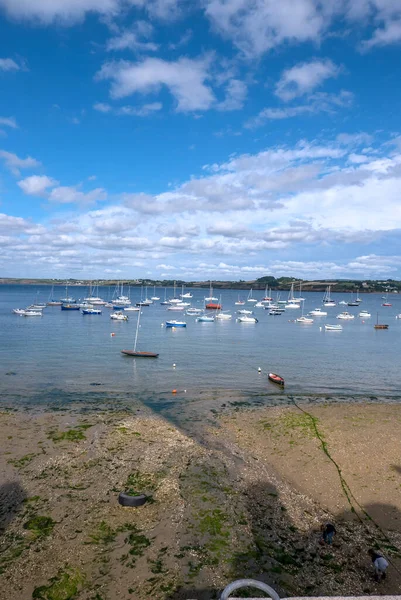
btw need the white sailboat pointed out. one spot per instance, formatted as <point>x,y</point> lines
<point>250,299</point>
<point>211,298</point>
<point>154,297</point>
<point>327,300</point>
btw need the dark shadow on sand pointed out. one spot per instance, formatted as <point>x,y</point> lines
<point>12,495</point>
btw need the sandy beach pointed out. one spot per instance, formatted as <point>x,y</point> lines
<point>238,491</point>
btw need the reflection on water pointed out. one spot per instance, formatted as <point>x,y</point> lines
<point>76,353</point>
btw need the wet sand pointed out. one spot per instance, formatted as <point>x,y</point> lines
<point>235,491</point>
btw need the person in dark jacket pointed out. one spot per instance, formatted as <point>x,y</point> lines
<point>328,533</point>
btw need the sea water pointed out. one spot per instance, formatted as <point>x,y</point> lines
<point>71,352</point>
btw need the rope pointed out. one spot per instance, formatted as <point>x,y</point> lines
<point>344,485</point>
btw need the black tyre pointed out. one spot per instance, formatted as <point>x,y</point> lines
<point>127,500</point>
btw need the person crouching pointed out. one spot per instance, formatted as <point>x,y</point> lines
<point>380,564</point>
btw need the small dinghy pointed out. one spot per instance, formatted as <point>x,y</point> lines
<point>276,379</point>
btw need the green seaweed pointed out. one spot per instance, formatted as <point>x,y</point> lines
<point>64,586</point>
<point>40,526</point>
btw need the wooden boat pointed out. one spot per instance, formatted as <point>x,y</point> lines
<point>276,379</point>
<point>138,353</point>
<point>379,325</point>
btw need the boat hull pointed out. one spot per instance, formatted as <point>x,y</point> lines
<point>137,354</point>
<point>276,379</point>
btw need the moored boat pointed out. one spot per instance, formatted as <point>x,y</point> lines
<point>346,316</point>
<point>247,319</point>
<point>176,324</point>
<point>137,353</point>
<point>304,320</point>
<point>318,312</point>
<point>274,378</point>
<point>68,306</point>
<point>119,316</point>
<point>329,327</point>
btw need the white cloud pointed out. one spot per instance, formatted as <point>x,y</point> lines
<point>72,195</point>
<point>135,39</point>
<point>102,107</point>
<point>64,11</point>
<point>316,103</point>
<point>15,164</point>
<point>304,78</point>
<point>258,26</point>
<point>36,185</point>
<point>139,111</point>
<point>186,80</point>
<point>358,158</point>
<point>390,33</point>
<point>8,64</point>
<point>9,122</point>
<point>236,92</point>
<point>254,213</point>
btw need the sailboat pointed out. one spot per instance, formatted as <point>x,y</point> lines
<point>267,297</point>
<point>137,353</point>
<point>51,301</point>
<point>165,301</point>
<point>291,301</point>
<point>239,301</point>
<point>380,325</point>
<point>327,301</point>
<point>174,299</point>
<point>121,300</point>
<point>303,319</point>
<point>67,299</point>
<point>354,302</point>
<point>250,299</point>
<point>386,302</point>
<point>154,297</point>
<point>186,295</point>
<point>211,298</point>
<point>298,298</point>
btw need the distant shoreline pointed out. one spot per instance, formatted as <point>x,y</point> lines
<point>307,286</point>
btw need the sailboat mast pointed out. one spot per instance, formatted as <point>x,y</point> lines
<point>137,330</point>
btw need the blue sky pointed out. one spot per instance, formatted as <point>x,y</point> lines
<point>210,139</point>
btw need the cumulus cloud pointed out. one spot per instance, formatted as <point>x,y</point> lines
<point>73,195</point>
<point>304,78</point>
<point>266,206</point>
<point>36,185</point>
<point>16,164</point>
<point>185,79</point>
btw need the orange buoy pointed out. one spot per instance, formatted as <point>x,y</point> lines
<point>112,334</point>
<point>174,392</point>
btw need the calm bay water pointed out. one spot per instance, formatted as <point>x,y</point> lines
<point>68,351</point>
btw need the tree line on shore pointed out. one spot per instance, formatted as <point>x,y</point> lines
<point>270,282</point>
